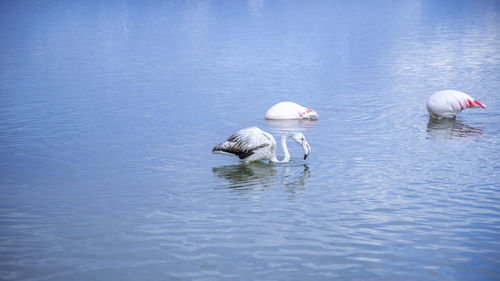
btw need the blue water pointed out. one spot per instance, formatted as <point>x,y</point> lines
<point>109,111</point>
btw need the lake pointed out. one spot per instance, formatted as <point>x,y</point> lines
<point>109,111</point>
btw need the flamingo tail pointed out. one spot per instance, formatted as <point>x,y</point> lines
<point>478,103</point>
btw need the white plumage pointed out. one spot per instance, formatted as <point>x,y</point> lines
<point>447,103</point>
<point>252,144</point>
<point>290,110</point>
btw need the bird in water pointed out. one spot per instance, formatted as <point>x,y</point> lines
<point>253,144</point>
<point>447,103</point>
<point>290,110</point>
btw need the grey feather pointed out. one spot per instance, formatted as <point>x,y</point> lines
<point>243,143</point>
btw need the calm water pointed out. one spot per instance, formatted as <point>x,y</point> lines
<point>109,111</point>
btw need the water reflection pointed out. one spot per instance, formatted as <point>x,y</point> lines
<point>451,129</point>
<point>297,177</point>
<point>260,174</point>
<point>291,125</point>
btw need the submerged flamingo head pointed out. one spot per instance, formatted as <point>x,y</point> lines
<point>309,114</point>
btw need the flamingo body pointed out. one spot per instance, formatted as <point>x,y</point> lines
<point>290,110</point>
<point>447,103</point>
<point>253,144</point>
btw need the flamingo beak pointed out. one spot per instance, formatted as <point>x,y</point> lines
<point>307,149</point>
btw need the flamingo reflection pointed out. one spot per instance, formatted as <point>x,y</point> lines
<point>255,175</point>
<point>451,130</point>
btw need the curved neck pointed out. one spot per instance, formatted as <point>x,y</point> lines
<point>285,150</point>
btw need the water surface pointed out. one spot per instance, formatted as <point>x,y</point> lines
<point>109,111</point>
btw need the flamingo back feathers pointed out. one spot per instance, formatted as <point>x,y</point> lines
<point>244,143</point>
<point>448,103</point>
<point>290,110</point>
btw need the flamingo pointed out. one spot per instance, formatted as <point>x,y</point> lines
<point>251,144</point>
<point>290,110</point>
<point>447,103</point>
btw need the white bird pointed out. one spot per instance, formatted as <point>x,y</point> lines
<point>252,144</point>
<point>290,110</point>
<point>447,103</point>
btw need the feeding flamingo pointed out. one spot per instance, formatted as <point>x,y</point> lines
<point>447,103</point>
<point>290,110</point>
<point>252,144</point>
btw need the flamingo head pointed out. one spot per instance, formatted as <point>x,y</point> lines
<point>301,140</point>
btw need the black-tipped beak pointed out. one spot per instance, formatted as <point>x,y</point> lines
<point>307,150</point>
